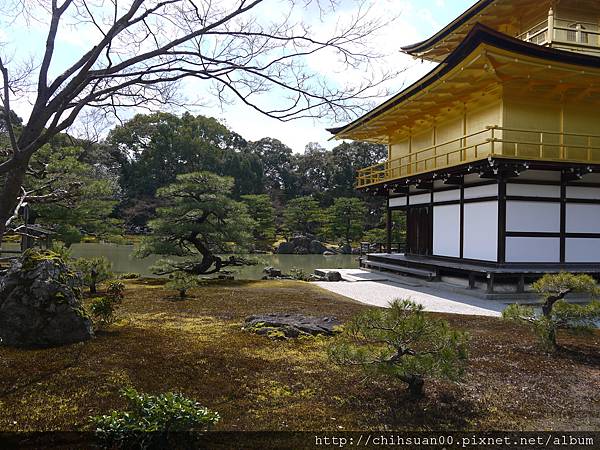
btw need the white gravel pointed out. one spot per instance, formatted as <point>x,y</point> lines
<point>388,288</point>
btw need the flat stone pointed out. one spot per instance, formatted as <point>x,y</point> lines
<point>291,325</point>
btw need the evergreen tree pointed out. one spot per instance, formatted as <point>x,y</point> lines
<point>556,312</point>
<point>346,219</point>
<point>71,197</point>
<point>262,212</point>
<point>303,215</point>
<point>199,221</point>
<point>402,342</point>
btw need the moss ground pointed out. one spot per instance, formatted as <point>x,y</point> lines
<point>197,347</point>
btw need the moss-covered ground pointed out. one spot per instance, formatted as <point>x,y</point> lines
<point>197,347</point>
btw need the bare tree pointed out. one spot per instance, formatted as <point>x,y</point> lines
<point>145,48</point>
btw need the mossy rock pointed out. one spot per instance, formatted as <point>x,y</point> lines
<point>291,326</point>
<point>40,303</point>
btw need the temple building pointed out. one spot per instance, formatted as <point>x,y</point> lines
<point>495,154</point>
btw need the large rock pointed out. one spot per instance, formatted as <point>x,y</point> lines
<point>286,248</point>
<point>334,276</point>
<point>302,245</point>
<point>282,326</point>
<point>346,249</point>
<point>317,248</point>
<point>40,303</point>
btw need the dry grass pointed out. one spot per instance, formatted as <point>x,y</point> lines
<point>197,347</point>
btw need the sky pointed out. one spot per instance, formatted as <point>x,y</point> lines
<point>417,20</point>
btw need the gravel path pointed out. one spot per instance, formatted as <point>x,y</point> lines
<point>381,292</point>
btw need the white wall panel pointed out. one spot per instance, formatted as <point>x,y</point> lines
<point>420,199</point>
<point>541,175</point>
<point>583,218</point>
<point>446,196</point>
<point>397,202</point>
<point>446,230</point>
<point>489,190</point>
<point>591,193</point>
<point>533,217</point>
<point>532,190</point>
<point>529,249</point>
<point>582,250</point>
<point>481,231</point>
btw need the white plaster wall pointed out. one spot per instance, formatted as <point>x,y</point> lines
<point>481,231</point>
<point>446,230</point>
<point>590,193</point>
<point>533,217</point>
<point>582,250</point>
<point>397,202</point>
<point>489,190</point>
<point>446,196</point>
<point>420,199</point>
<point>528,249</point>
<point>583,218</point>
<point>541,175</point>
<point>532,190</point>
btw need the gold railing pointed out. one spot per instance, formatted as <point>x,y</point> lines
<point>563,31</point>
<point>493,141</point>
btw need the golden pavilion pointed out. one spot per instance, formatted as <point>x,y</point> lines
<point>495,154</point>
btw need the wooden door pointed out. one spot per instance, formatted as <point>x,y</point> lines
<point>419,232</point>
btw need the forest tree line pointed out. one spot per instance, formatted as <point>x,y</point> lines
<point>109,188</point>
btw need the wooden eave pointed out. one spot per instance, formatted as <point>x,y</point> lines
<point>485,63</point>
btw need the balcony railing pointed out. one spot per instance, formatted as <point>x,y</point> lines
<point>493,141</point>
<point>563,31</point>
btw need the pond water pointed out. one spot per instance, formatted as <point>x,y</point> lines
<point>124,260</point>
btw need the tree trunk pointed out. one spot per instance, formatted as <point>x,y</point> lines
<point>415,385</point>
<point>93,281</point>
<point>11,190</point>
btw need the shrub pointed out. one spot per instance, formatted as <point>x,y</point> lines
<point>62,250</point>
<point>129,276</point>
<point>103,309</point>
<point>556,313</point>
<point>402,342</point>
<point>151,418</point>
<point>94,271</point>
<point>116,291</point>
<point>182,282</point>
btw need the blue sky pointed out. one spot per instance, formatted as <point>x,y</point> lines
<point>418,20</point>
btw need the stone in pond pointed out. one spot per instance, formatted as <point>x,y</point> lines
<point>334,276</point>
<point>285,326</point>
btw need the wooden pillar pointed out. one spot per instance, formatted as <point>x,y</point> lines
<point>563,218</point>
<point>388,243</point>
<point>521,284</point>
<point>490,283</point>
<point>501,220</point>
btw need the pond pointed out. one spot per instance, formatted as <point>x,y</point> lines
<point>123,260</point>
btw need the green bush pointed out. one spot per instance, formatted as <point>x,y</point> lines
<point>182,283</point>
<point>129,276</point>
<point>116,291</point>
<point>404,343</point>
<point>62,250</point>
<point>556,313</point>
<point>151,418</point>
<point>103,309</point>
<point>94,271</point>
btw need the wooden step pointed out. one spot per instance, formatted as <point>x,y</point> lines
<point>429,274</point>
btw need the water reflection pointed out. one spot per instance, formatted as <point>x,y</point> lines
<point>124,260</point>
